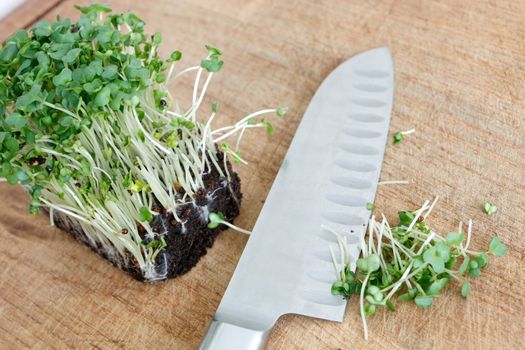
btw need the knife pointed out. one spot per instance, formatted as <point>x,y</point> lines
<point>328,176</point>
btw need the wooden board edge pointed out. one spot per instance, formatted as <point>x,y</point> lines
<point>25,15</point>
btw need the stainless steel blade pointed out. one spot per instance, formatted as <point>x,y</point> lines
<point>328,175</point>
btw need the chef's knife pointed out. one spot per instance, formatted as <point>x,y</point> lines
<point>327,178</point>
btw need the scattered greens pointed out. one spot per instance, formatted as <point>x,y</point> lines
<point>88,127</point>
<point>489,208</point>
<point>408,262</point>
<point>400,135</point>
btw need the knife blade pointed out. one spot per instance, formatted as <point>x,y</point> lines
<point>329,174</point>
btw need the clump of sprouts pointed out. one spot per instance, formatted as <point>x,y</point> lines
<point>88,126</point>
<point>409,261</point>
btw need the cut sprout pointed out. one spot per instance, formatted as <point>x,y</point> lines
<point>410,257</point>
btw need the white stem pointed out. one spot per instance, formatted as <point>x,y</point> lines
<point>394,182</point>
<point>362,306</point>
<point>236,228</point>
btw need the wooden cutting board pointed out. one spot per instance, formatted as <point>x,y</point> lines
<point>460,82</point>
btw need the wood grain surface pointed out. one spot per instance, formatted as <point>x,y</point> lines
<point>460,82</point>
<point>24,15</point>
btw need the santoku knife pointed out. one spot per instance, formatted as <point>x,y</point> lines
<point>327,178</point>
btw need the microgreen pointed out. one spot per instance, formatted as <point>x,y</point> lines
<point>370,263</point>
<point>370,206</point>
<point>489,208</point>
<point>145,215</point>
<point>88,127</point>
<point>215,219</point>
<point>408,262</point>
<point>157,244</point>
<point>400,135</point>
<point>212,63</point>
<point>465,289</point>
<point>281,111</point>
<point>497,248</point>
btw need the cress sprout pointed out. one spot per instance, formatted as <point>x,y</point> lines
<point>489,208</point>
<point>400,135</point>
<point>216,219</point>
<point>409,261</point>
<point>90,129</point>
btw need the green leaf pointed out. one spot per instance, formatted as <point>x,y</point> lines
<point>338,288</point>
<point>436,287</point>
<point>172,141</point>
<point>12,144</point>
<point>268,125</point>
<point>215,219</point>
<point>212,63</point>
<point>370,206</point>
<point>63,78</point>
<point>141,136</point>
<point>57,51</point>
<point>482,260</point>
<point>465,289</point>
<point>390,305</point>
<point>33,95</point>
<point>451,262</point>
<point>22,177</point>
<point>213,52</point>
<point>110,72</point>
<point>474,271</point>
<point>20,38</point>
<point>281,111</point>
<point>489,208</point>
<point>145,215</point>
<point>175,56</point>
<point>157,38</point>
<point>16,120</point>
<point>157,244</point>
<point>103,97</point>
<point>8,53</point>
<point>398,137</point>
<point>418,261</point>
<point>93,87</point>
<point>423,300</point>
<point>42,29</point>
<point>406,218</point>
<point>369,264</point>
<point>370,309</point>
<point>12,179</point>
<point>464,265</point>
<point>497,248</point>
<point>71,56</point>
<point>411,294</point>
<point>455,238</point>
<point>181,122</point>
<point>437,256</point>
<point>66,121</point>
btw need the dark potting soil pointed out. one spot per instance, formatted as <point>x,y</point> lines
<point>188,239</point>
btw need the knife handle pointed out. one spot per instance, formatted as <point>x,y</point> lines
<point>226,336</point>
